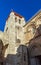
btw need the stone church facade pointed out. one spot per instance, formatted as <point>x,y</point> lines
<point>24,40</point>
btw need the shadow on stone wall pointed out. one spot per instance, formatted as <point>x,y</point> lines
<point>2,52</point>
<point>20,58</point>
<point>35,43</point>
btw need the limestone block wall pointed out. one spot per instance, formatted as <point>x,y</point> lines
<point>13,35</point>
<point>31,27</point>
<point>14,30</point>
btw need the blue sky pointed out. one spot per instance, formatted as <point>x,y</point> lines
<point>26,8</point>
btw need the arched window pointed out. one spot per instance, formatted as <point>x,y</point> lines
<point>15,19</point>
<point>19,21</point>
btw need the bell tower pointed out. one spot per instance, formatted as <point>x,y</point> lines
<point>14,30</point>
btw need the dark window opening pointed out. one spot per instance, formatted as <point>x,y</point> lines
<point>19,21</point>
<point>15,19</point>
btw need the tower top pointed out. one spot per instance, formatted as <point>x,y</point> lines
<point>16,14</point>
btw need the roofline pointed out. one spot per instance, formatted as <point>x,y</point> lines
<point>14,14</point>
<point>32,17</point>
<point>18,15</point>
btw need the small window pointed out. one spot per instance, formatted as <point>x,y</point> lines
<point>19,21</point>
<point>15,19</point>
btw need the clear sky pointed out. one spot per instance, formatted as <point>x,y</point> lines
<point>26,8</point>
